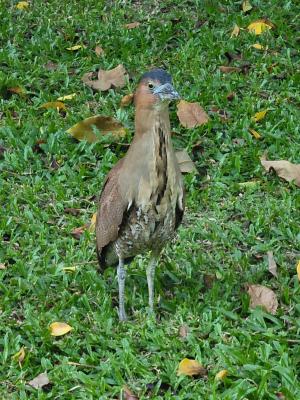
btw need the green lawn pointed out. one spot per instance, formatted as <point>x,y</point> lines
<point>228,228</point>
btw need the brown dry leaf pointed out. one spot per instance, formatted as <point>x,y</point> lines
<point>22,5</point>
<point>115,77</point>
<point>259,115</point>
<point>2,266</point>
<point>272,266</point>
<point>235,32</point>
<point>54,104</point>
<point>186,165</point>
<point>126,100</point>
<point>259,26</point>
<point>99,51</point>
<point>72,211</point>
<point>298,270</point>
<point>183,331</point>
<point>262,296</point>
<point>246,6</point>
<point>77,232</point>
<point>191,368</point>
<point>255,133</point>
<point>20,355</point>
<point>132,25</point>
<point>84,130</point>
<point>128,394</point>
<point>220,376</point>
<point>39,381</point>
<point>227,70</point>
<point>59,328</point>
<point>284,169</point>
<point>16,90</point>
<point>191,114</point>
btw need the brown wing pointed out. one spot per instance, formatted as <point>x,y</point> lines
<point>110,212</point>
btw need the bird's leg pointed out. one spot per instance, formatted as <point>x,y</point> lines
<point>150,279</point>
<point>121,281</point>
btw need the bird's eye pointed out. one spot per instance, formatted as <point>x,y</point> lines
<point>150,85</point>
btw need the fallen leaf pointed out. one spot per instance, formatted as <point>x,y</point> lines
<point>50,66</point>
<point>132,25</point>
<point>77,232</point>
<point>22,5</point>
<point>227,70</point>
<point>220,376</point>
<point>98,50</point>
<point>70,269</point>
<point>231,96</point>
<point>76,47</point>
<point>93,223</point>
<point>255,133</point>
<point>259,115</point>
<point>2,266</point>
<point>115,77</point>
<point>191,114</point>
<point>16,90</point>
<point>190,368</point>
<point>258,46</point>
<point>272,266</point>
<point>20,355</point>
<point>83,130</point>
<point>235,32</point>
<point>298,270</point>
<point>183,331</point>
<point>72,211</point>
<point>54,104</point>
<point>186,165</point>
<point>246,6</point>
<point>259,26</point>
<point>39,381</point>
<point>126,100</point>
<point>262,296</point>
<point>59,328</point>
<point>67,97</point>
<point>128,394</point>
<point>284,169</point>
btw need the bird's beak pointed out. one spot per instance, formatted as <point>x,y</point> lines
<point>166,92</point>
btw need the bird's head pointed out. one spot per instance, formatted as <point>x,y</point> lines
<point>155,89</point>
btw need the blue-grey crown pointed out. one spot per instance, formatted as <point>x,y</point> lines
<point>158,74</point>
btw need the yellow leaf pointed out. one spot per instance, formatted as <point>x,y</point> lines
<point>221,375</point>
<point>259,26</point>
<point>255,133</point>
<point>246,6</point>
<point>190,368</point>
<point>67,97</point>
<point>20,355</point>
<point>298,270</point>
<point>83,130</point>
<point>258,46</point>
<point>235,31</point>
<point>22,5</point>
<point>70,269</point>
<point>259,115</point>
<point>93,223</point>
<point>59,328</point>
<point>54,104</point>
<point>76,47</point>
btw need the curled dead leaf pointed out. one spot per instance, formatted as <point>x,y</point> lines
<point>220,376</point>
<point>262,296</point>
<point>20,355</point>
<point>298,270</point>
<point>259,115</point>
<point>235,32</point>
<point>77,232</point>
<point>191,114</point>
<point>191,368</point>
<point>22,5</point>
<point>284,169</point>
<point>115,77</point>
<point>84,130</point>
<point>39,381</point>
<point>246,6</point>
<point>272,266</point>
<point>16,90</point>
<point>93,223</point>
<point>260,26</point>
<point>186,165</point>
<point>227,70</point>
<point>255,133</point>
<point>59,328</point>
<point>126,100</point>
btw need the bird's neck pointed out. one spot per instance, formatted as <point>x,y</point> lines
<point>149,121</point>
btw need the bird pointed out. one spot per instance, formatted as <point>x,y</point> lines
<point>142,200</point>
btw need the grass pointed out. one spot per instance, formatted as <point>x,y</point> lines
<point>227,231</point>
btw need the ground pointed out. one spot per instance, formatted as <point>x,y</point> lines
<point>229,224</point>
